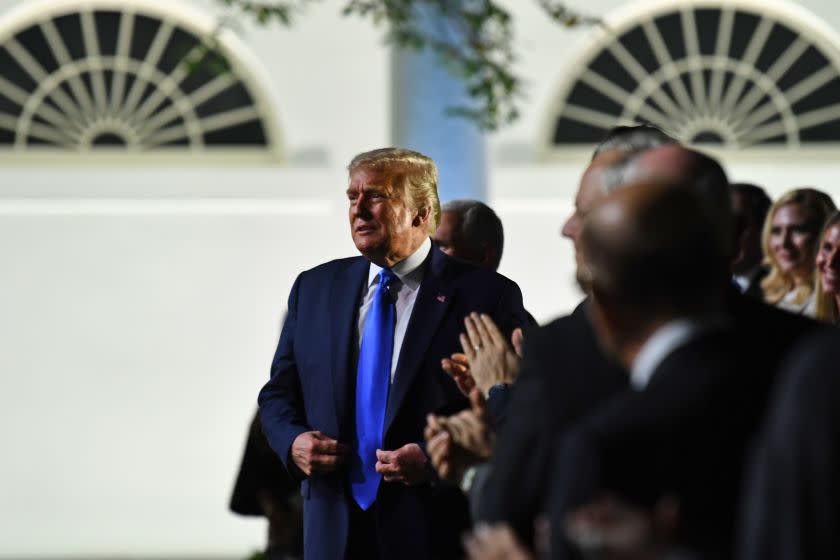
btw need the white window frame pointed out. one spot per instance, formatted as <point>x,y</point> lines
<point>245,67</point>
<point>811,29</point>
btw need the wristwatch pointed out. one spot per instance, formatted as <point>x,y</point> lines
<point>497,388</point>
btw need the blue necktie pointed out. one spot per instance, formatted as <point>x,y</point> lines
<point>373,378</point>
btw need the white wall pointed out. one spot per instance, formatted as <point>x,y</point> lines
<point>136,334</point>
<point>139,307</point>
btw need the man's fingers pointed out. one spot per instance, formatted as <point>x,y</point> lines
<point>437,423</point>
<point>439,447</point>
<point>326,463</point>
<point>469,351</point>
<point>322,443</point>
<point>460,359</point>
<point>457,429</point>
<point>484,337</point>
<point>459,374</point>
<point>449,367</point>
<point>469,422</point>
<point>383,468</point>
<point>444,469</point>
<point>433,427</point>
<point>466,430</point>
<point>453,367</point>
<point>327,460</point>
<point>473,333</point>
<point>329,447</point>
<point>386,468</point>
<point>516,339</point>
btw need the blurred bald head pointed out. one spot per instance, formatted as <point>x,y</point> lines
<point>700,173</point>
<point>647,255</point>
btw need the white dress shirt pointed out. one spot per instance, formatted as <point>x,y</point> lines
<point>409,273</point>
<point>744,280</point>
<point>665,340</point>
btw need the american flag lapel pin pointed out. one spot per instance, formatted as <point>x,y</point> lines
<point>441,298</point>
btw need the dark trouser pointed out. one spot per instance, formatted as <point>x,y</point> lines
<point>363,541</point>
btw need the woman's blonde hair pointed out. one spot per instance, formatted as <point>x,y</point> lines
<point>817,205</point>
<point>408,171</point>
<point>826,303</point>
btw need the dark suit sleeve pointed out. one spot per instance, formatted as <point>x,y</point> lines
<point>509,315</point>
<point>791,507</point>
<point>512,492</point>
<point>497,403</point>
<point>281,400</point>
<point>564,375</point>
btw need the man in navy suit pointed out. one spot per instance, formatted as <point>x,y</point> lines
<point>358,369</point>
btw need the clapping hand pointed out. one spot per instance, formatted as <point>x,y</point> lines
<point>487,359</point>
<point>492,360</point>
<point>494,543</point>
<point>458,442</point>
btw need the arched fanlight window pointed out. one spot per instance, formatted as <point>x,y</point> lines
<point>128,77</point>
<point>734,73</point>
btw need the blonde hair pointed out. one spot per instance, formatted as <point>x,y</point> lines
<point>826,303</point>
<point>411,172</point>
<point>817,205</point>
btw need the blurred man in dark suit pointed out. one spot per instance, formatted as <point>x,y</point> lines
<point>657,286</point>
<point>791,505</point>
<point>563,372</point>
<point>751,204</point>
<point>357,370</point>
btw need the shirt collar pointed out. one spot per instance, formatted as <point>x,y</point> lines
<point>665,340</point>
<point>410,270</point>
<point>744,280</point>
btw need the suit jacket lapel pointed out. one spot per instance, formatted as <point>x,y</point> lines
<point>433,299</point>
<point>341,336</point>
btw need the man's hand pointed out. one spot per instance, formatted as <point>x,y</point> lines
<point>494,543</point>
<point>458,442</point>
<point>619,531</point>
<point>457,367</point>
<point>315,453</point>
<point>469,428</point>
<point>406,464</point>
<point>449,459</point>
<point>492,360</point>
